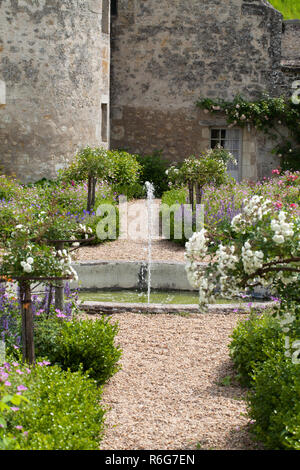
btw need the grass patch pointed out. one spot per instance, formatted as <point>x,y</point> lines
<point>289,8</point>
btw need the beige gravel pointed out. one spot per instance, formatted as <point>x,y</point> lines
<point>168,395</point>
<point>129,250</point>
<point>136,247</point>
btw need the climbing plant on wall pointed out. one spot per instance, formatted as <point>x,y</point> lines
<point>279,118</point>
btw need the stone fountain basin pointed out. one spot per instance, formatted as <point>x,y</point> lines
<point>109,308</point>
<point>165,275</point>
<point>100,274</point>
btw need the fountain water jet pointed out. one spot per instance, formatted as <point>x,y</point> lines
<point>150,197</point>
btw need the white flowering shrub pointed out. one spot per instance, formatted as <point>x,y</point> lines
<point>34,260</point>
<point>27,251</point>
<point>29,226</point>
<point>262,249</point>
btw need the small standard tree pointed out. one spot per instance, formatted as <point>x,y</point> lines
<point>196,172</point>
<point>90,165</point>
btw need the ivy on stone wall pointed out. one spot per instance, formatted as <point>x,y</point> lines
<point>279,118</point>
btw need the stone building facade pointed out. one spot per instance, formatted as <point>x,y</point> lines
<point>55,62</point>
<point>73,77</point>
<point>165,58</point>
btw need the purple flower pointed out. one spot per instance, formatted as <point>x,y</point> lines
<point>44,363</point>
<point>61,315</point>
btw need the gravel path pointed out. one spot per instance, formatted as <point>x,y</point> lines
<point>129,250</point>
<point>135,248</point>
<point>168,393</point>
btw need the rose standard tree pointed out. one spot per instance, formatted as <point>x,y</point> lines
<point>261,248</point>
<point>29,254</point>
<point>209,167</point>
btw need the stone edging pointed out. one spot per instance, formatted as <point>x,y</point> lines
<point>94,308</point>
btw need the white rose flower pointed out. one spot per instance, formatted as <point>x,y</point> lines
<point>279,239</point>
<point>27,268</point>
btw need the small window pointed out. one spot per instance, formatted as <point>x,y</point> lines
<point>114,7</point>
<point>231,140</point>
<point>105,16</point>
<point>104,122</point>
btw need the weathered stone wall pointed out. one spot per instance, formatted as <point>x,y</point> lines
<point>165,57</point>
<point>54,58</point>
<point>291,39</point>
<point>290,61</point>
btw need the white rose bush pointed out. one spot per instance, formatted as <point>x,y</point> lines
<point>261,248</point>
<point>32,230</point>
<point>29,231</point>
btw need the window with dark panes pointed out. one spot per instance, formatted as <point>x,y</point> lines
<point>114,7</point>
<point>231,140</point>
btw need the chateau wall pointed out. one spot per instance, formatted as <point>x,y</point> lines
<point>291,39</point>
<point>54,59</point>
<point>164,59</point>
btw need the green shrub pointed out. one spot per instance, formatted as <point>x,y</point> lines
<point>79,343</point>
<point>124,173</point>
<point>137,191</point>
<point>9,186</point>
<point>153,169</point>
<point>254,341</point>
<point>274,403</point>
<point>62,413</point>
<point>174,197</point>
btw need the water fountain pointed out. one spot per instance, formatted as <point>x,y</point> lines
<point>150,197</point>
<point>122,286</point>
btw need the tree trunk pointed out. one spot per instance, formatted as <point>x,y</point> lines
<point>48,306</point>
<point>27,322</point>
<point>91,192</point>
<point>89,200</point>
<point>59,287</point>
<point>191,194</point>
<point>198,194</point>
<point>94,182</point>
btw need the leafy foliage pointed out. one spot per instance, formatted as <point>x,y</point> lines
<point>79,343</point>
<point>153,169</point>
<point>61,411</point>
<point>125,172</point>
<point>273,404</point>
<point>209,167</point>
<point>268,115</point>
<point>254,341</point>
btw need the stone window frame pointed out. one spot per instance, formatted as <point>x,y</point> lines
<point>104,122</point>
<point>105,23</point>
<point>220,140</point>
